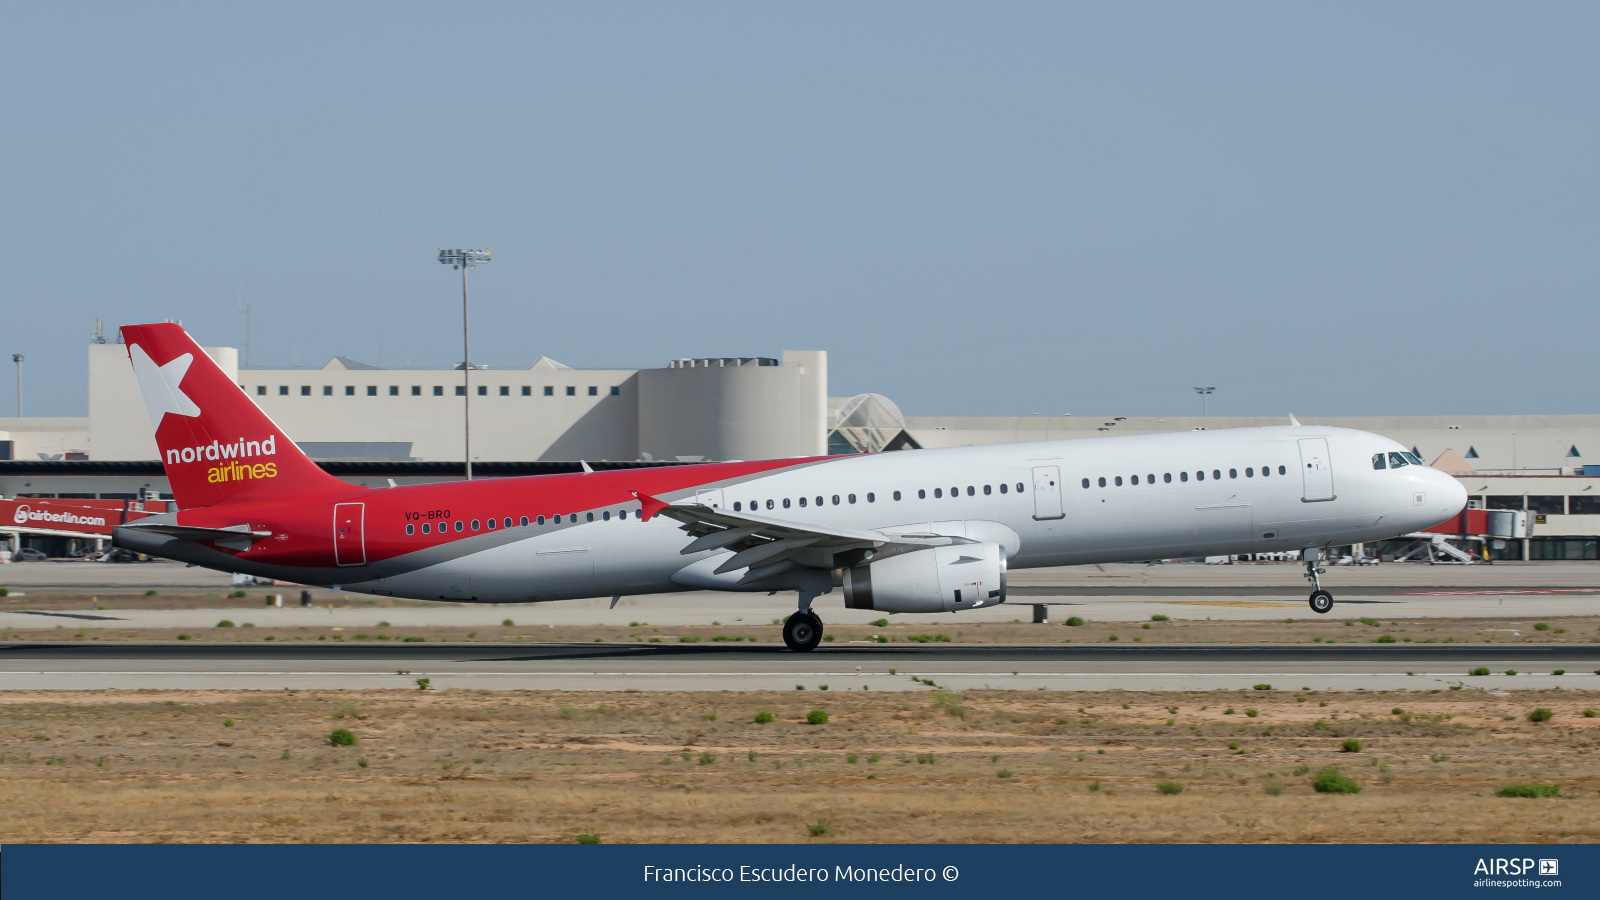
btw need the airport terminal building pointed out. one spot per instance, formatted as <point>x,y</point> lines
<point>367,424</point>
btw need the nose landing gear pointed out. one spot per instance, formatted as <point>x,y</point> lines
<point>1321,600</point>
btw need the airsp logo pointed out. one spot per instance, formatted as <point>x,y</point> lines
<point>1516,867</point>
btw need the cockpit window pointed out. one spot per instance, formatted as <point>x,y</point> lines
<point>1378,461</point>
<point>1396,460</point>
<point>1413,457</point>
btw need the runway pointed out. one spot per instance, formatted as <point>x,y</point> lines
<point>625,667</point>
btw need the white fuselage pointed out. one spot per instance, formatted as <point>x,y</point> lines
<point>1187,494</point>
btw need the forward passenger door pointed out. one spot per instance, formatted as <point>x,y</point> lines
<point>1317,470</point>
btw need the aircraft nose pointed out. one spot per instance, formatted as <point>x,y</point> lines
<point>1450,496</point>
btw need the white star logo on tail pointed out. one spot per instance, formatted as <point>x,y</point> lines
<point>160,386</point>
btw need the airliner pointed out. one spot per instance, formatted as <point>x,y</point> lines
<point>903,532</point>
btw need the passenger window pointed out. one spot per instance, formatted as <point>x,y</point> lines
<point>802,502</point>
<point>622,514</point>
<point>1019,487</point>
<point>819,501</point>
<point>1200,476</point>
<point>1233,473</point>
<point>1102,481</point>
<point>1002,489</point>
<point>938,493</point>
<point>835,499</point>
<point>411,529</point>
<point>1150,479</point>
<point>871,497</point>
<point>1249,472</point>
<point>1133,480</point>
<point>460,525</point>
<point>606,516</point>
<point>524,521</point>
<point>492,524</point>
<point>851,498</point>
<point>955,492</point>
<point>1119,481</point>
<point>1216,474</point>
<point>986,490</point>
<point>1167,477</point>
<point>588,517</point>
<point>1282,471</point>
<point>971,492</point>
<point>474,524</point>
<point>426,528</point>
<point>769,504</point>
<point>786,503</point>
<point>1183,476</point>
<point>737,506</point>
<point>1085,484</point>
<point>1266,471</point>
<point>540,520</point>
<point>1396,461</point>
<point>896,496</point>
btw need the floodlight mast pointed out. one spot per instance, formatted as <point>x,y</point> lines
<point>1205,394</point>
<point>464,260</point>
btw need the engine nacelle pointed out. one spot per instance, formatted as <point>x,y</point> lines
<point>938,579</point>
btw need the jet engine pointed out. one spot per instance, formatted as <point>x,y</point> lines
<point>938,579</point>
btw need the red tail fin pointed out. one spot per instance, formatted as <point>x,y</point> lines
<point>216,444</point>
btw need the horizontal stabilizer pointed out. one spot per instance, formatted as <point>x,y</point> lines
<point>196,533</point>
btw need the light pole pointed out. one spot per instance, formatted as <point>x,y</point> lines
<point>464,260</point>
<point>1205,395</point>
<point>18,358</point>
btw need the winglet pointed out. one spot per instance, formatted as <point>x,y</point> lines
<point>1293,420</point>
<point>649,506</point>
<point>586,469</point>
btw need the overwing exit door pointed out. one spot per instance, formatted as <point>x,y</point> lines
<point>349,542</point>
<point>1317,470</point>
<point>1047,492</point>
<point>711,498</point>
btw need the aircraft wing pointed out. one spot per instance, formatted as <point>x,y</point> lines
<point>768,546</point>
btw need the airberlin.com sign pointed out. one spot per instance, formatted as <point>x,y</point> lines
<point>26,516</point>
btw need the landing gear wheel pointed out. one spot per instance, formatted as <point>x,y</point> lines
<point>803,632</point>
<point>1321,602</point>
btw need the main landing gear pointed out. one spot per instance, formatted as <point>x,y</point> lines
<point>1321,600</point>
<point>803,631</point>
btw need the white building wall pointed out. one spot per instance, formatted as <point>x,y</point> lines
<point>589,423</point>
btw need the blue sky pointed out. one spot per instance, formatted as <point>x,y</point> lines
<point>978,209</point>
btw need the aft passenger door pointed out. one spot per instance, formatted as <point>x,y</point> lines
<point>349,543</point>
<point>1317,470</point>
<point>1047,492</point>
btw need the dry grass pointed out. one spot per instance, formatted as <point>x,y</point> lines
<point>545,766</point>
